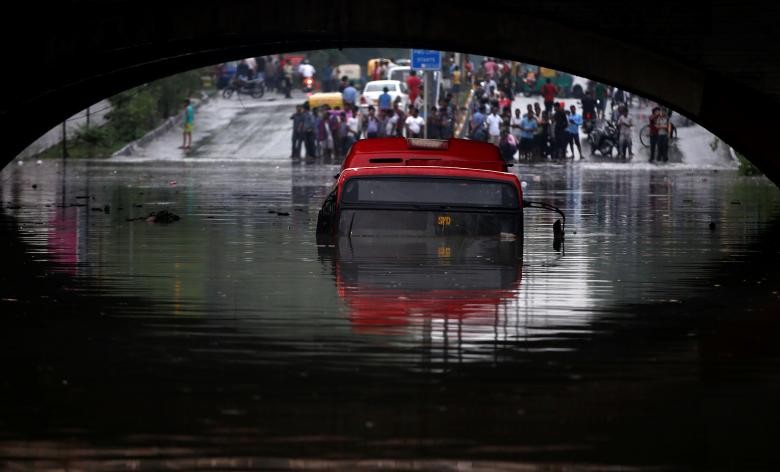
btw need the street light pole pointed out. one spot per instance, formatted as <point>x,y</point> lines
<point>427,94</point>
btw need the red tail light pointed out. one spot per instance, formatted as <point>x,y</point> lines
<point>363,100</point>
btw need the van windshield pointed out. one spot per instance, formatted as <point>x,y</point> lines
<point>431,191</point>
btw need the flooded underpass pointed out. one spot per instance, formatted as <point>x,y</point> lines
<point>229,340</point>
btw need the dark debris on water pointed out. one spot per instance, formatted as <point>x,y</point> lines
<point>162,216</point>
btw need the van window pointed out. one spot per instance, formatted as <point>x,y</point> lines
<point>431,191</point>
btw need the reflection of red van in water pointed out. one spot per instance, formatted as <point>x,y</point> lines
<point>389,284</point>
<point>398,187</point>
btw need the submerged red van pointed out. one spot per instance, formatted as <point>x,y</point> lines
<point>393,187</point>
<point>422,201</point>
<point>424,152</point>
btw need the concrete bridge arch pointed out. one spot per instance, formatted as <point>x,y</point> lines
<point>718,64</point>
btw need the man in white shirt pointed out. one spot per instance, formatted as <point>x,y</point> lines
<point>414,125</point>
<point>353,124</point>
<point>494,127</point>
<point>306,70</point>
<point>624,125</point>
<point>515,124</point>
<point>391,123</point>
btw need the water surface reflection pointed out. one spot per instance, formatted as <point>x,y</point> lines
<point>229,335</point>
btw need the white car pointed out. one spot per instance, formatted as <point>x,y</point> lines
<point>374,89</point>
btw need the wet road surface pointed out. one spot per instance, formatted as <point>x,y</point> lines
<point>228,340</point>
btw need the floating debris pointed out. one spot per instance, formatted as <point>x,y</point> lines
<point>162,216</point>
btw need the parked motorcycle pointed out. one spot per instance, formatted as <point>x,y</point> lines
<point>255,88</point>
<point>603,138</point>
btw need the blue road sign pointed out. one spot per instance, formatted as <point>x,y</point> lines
<point>426,59</point>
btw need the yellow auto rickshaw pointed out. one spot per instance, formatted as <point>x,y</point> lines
<point>333,100</point>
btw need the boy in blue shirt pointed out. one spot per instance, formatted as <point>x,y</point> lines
<point>527,128</point>
<point>189,120</point>
<point>385,101</point>
<point>573,130</point>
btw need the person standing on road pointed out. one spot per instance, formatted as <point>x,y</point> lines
<point>560,123</point>
<point>653,131</point>
<point>287,72</point>
<point>372,123</point>
<point>385,101</point>
<point>507,146</point>
<point>324,139</point>
<point>434,123</point>
<point>514,124</point>
<point>391,124</point>
<point>189,123</point>
<point>456,78</point>
<point>297,134</point>
<point>588,109</point>
<point>414,125</point>
<point>549,92</point>
<point>573,131</point>
<point>353,131</point>
<point>349,95</point>
<point>625,125</point>
<point>600,92</point>
<point>413,84</point>
<point>494,126</point>
<point>544,136</point>
<point>664,127</point>
<point>334,124</point>
<point>343,143</point>
<point>309,125</point>
<point>477,125</point>
<point>401,118</point>
<point>527,131</point>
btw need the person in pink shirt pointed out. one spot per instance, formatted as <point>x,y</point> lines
<point>490,68</point>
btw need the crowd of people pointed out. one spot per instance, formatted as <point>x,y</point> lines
<point>537,132</point>
<point>330,131</point>
<point>546,129</point>
<point>551,130</point>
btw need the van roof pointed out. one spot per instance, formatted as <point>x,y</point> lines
<point>452,152</point>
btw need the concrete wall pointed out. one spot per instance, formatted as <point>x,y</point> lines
<point>53,137</point>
